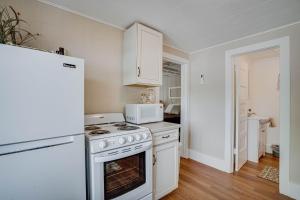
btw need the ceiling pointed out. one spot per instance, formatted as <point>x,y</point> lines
<point>191,24</point>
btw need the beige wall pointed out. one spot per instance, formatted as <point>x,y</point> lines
<point>98,44</point>
<point>207,102</point>
<point>263,90</point>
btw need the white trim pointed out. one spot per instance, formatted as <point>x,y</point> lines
<point>176,59</point>
<point>294,190</point>
<point>208,160</point>
<point>283,44</point>
<point>174,47</point>
<point>185,93</point>
<point>245,37</point>
<point>80,14</point>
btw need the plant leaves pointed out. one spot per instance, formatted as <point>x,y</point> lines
<point>15,13</point>
<point>10,30</point>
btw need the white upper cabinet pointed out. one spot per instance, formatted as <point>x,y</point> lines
<point>142,56</point>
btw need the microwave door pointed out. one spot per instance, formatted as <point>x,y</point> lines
<point>148,114</point>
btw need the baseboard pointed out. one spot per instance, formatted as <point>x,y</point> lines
<point>208,160</point>
<point>294,190</point>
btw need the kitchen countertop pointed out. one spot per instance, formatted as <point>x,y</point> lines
<point>260,119</point>
<point>161,126</point>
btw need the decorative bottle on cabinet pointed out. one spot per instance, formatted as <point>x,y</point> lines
<point>142,56</point>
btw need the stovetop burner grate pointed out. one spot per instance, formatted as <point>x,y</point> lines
<point>92,128</point>
<point>99,132</point>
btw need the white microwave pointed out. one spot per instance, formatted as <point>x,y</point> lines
<point>144,113</point>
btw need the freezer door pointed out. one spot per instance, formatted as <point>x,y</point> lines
<point>50,170</point>
<point>41,95</point>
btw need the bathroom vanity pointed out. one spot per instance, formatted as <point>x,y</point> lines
<point>257,137</point>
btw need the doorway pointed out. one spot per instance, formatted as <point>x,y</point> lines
<point>170,92</point>
<point>256,138</point>
<point>284,106</point>
<point>174,94</point>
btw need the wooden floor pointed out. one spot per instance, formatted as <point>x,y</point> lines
<point>198,181</point>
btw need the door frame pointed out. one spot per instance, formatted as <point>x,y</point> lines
<point>185,93</point>
<point>284,68</point>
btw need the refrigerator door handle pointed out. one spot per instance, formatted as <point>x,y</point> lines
<point>38,144</point>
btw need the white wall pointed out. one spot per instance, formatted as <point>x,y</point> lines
<point>207,102</point>
<point>264,93</point>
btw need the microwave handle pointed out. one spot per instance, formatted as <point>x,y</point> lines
<point>118,155</point>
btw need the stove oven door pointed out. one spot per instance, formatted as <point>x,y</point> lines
<point>125,173</point>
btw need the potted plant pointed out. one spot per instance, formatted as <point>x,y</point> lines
<point>11,31</point>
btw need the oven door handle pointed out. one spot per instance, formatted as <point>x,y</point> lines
<point>136,150</point>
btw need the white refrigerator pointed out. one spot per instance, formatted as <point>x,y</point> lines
<point>42,153</point>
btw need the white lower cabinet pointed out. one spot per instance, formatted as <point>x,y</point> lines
<point>257,136</point>
<point>165,165</point>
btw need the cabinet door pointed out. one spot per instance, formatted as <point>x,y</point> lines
<point>263,141</point>
<point>149,69</point>
<point>260,145</point>
<point>165,169</point>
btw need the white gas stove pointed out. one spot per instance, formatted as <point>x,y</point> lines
<point>119,158</point>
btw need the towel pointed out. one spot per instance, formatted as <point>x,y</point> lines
<point>272,122</point>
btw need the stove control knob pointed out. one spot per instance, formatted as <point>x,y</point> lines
<point>138,137</point>
<point>122,140</point>
<point>145,136</point>
<point>130,138</point>
<point>102,144</point>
